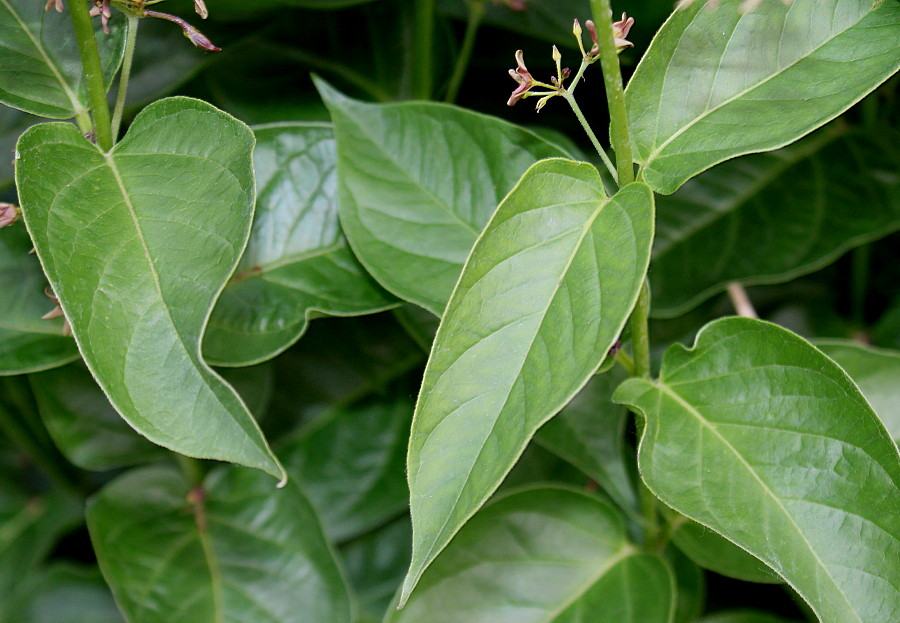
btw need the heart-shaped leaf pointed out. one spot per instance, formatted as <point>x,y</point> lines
<point>40,70</point>
<point>771,217</point>
<point>233,549</point>
<point>720,82</point>
<point>137,244</point>
<point>543,296</point>
<point>759,436</point>
<point>543,555</point>
<point>418,181</point>
<point>297,262</point>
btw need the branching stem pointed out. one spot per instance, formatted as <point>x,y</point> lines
<point>587,128</point>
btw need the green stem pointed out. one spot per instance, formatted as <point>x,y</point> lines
<point>424,49</point>
<point>624,359</point>
<point>615,92</point>
<point>476,12</point>
<point>587,128</point>
<point>130,40</point>
<point>191,468</point>
<point>93,72</point>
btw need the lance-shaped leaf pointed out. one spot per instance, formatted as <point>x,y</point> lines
<point>543,555</point>
<point>27,342</point>
<point>542,298</point>
<point>137,244</point>
<point>233,549</point>
<point>759,436</point>
<point>718,83</point>
<point>40,70</point>
<point>417,184</point>
<point>771,217</point>
<point>297,262</point>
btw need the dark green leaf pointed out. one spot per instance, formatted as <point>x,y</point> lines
<point>690,585</point>
<point>542,298</point>
<point>12,124</point>
<point>720,82</point>
<point>65,593</point>
<point>235,549</point>
<point>759,436</point>
<point>418,182</point>
<point>137,244</point>
<point>297,263</point>
<point>742,616</point>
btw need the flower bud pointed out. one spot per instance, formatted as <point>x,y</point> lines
<point>200,8</point>
<point>9,214</point>
<point>57,4</point>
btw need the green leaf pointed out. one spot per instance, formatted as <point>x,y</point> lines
<point>875,371</point>
<point>757,435</point>
<point>544,294</point>
<point>27,342</point>
<point>742,616</point>
<point>352,462</point>
<point>590,433</point>
<point>716,84</point>
<point>12,124</point>
<point>297,263</point>
<point>137,244</point>
<point>769,218</point>
<point>234,549</point>
<point>65,593</point>
<point>690,586</point>
<point>546,554</point>
<point>418,182</point>
<point>40,68</point>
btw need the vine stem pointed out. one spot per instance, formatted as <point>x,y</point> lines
<point>130,40</point>
<point>476,13</point>
<point>587,128</point>
<point>423,53</point>
<point>615,92</point>
<point>93,72</point>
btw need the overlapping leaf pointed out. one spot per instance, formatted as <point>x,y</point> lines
<point>548,555</point>
<point>137,244</point>
<point>542,298</point>
<point>235,549</point>
<point>65,593</point>
<point>418,182</point>
<point>720,82</point>
<point>757,435</point>
<point>297,262</point>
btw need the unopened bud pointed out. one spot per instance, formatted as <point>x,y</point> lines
<point>195,36</point>
<point>9,214</point>
<point>57,4</point>
<point>576,28</point>
<point>200,8</point>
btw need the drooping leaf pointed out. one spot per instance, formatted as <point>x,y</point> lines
<point>771,217</point>
<point>720,82</point>
<point>137,244</point>
<point>40,69</point>
<point>590,433</point>
<point>235,549</point>
<point>757,435</point>
<point>297,262</point>
<point>541,300</point>
<point>418,182</point>
<point>27,342</point>
<point>548,555</point>
<point>875,371</point>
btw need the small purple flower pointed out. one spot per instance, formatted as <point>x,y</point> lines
<point>101,8</point>
<point>521,75</point>
<point>195,36</point>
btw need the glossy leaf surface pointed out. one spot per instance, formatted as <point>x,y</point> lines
<point>297,262</point>
<point>711,551</point>
<point>418,182</point>
<point>542,555</point>
<point>235,550</point>
<point>40,69</point>
<point>771,217</point>
<point>720,82</point>
<point>757,435</point>
<point>137,245</point>
<point>542,298</point>
<point>27,342</point>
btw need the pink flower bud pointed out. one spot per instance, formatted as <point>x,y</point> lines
<point>9,214</point>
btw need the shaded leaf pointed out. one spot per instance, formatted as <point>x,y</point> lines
<point>418,182</point>
<point>234,550</point>
<point>742,616</point>
<point>542,555</point>
<point>715,84</point>
<point>167,213</point>
<point>543,296</point>
<point>12,124</point>
<point>65,593</point>
<point>297,263</point>
<point>757,435</point>
<point>690,586</point>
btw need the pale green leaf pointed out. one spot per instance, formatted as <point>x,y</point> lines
<point>543,555</point>
<point>40,68</point>
<point>418,182</point>
<point>234,549</point>
<point>720,82</point>
<point>297,263</point>
<point>757,435</point>
<point>544,295</point>
<point>137,244</point>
